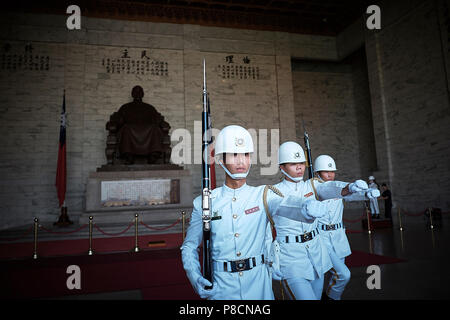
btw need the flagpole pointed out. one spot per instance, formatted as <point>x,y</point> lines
<point>63,218</point>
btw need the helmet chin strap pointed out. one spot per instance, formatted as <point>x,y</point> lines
<point>292,178</point>
<point>235,176</point>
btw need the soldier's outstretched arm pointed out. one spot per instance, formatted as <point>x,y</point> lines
<point>330,189</point>
<point>339,189</point>
<point>356,196</point>
<point>363,195</point>
<point>295,207</point>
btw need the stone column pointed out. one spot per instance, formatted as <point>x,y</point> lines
<point>285,95</point>
<point>379,109</point>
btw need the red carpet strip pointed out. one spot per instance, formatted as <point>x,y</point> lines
<point>157,272</point>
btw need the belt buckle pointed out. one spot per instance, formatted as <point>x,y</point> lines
<point>307,236</point>
<point>330,227</point>
<point>240,265</point>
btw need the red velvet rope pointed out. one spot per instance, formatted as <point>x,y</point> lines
<point>114,234</point>
<point>30,229</point>
<point>160,229</point>
<point>68,232</point>
<point>355,220</point>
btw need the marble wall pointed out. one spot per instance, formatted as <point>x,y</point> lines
<point>375,100</point>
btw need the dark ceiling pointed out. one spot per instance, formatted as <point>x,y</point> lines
<point>324,17</point>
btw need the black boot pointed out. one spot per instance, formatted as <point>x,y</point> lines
<point>325,297</point>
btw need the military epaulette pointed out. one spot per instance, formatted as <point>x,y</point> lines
<point>275,190</point>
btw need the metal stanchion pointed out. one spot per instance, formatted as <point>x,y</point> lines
<point>400,219</point>
<point>399,211</point>
<point>369,224</point>
<point>401,240</point>
<point>183,223</point>
<point>90,251</point>
<point>369,228</point>
<point>370,244</point>
<point>432,238</point>
<point>430,211</point>
<point>136,247</point>
<point>36,225</point>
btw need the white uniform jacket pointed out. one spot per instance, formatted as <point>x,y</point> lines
<point>308,259</point>
<point>239,230</point>
<point>336,240</point>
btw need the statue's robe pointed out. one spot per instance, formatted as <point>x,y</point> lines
<point>140,130</point>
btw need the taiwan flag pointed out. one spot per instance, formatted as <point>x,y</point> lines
<point>61,172</point>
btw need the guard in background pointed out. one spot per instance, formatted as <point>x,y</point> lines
<point>387,197</point>
<point>240,232</point>
<point>374,209</point>
<point>332,230</point>
<point>303,257</point>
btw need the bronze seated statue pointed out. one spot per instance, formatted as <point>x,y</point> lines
<point>137,133</point>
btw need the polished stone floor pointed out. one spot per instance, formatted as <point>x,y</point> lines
<point>424,274</point>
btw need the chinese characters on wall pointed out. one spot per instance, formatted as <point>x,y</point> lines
<point>28,60</point>
<point>234,68</point>
<point>143,66</point>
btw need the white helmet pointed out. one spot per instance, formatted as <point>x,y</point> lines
<point>371,178</point>
<point>291,152</point>
<point>324,163</point>
<point>233,139</point>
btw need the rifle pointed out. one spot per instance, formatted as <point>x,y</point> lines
<point>206,188</point>
<point>308,152</point>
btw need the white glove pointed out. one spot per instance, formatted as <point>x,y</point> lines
<point>358,186</point>
<point>314,208</point>
<point>373,194</point>
<point>200,288</point>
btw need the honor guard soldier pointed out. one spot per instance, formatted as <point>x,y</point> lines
<point>332,229</point>
<point>240,231</point>
<point>303,257</point>
<point>374,209</point>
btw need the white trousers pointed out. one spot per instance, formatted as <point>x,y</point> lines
<point>374,206</point>
<point>340,276</point>
<point>303,289</point>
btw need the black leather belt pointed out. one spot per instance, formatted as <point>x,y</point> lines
<point>328,227</point>
<point>302,237</point>
<point>242,265</point>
